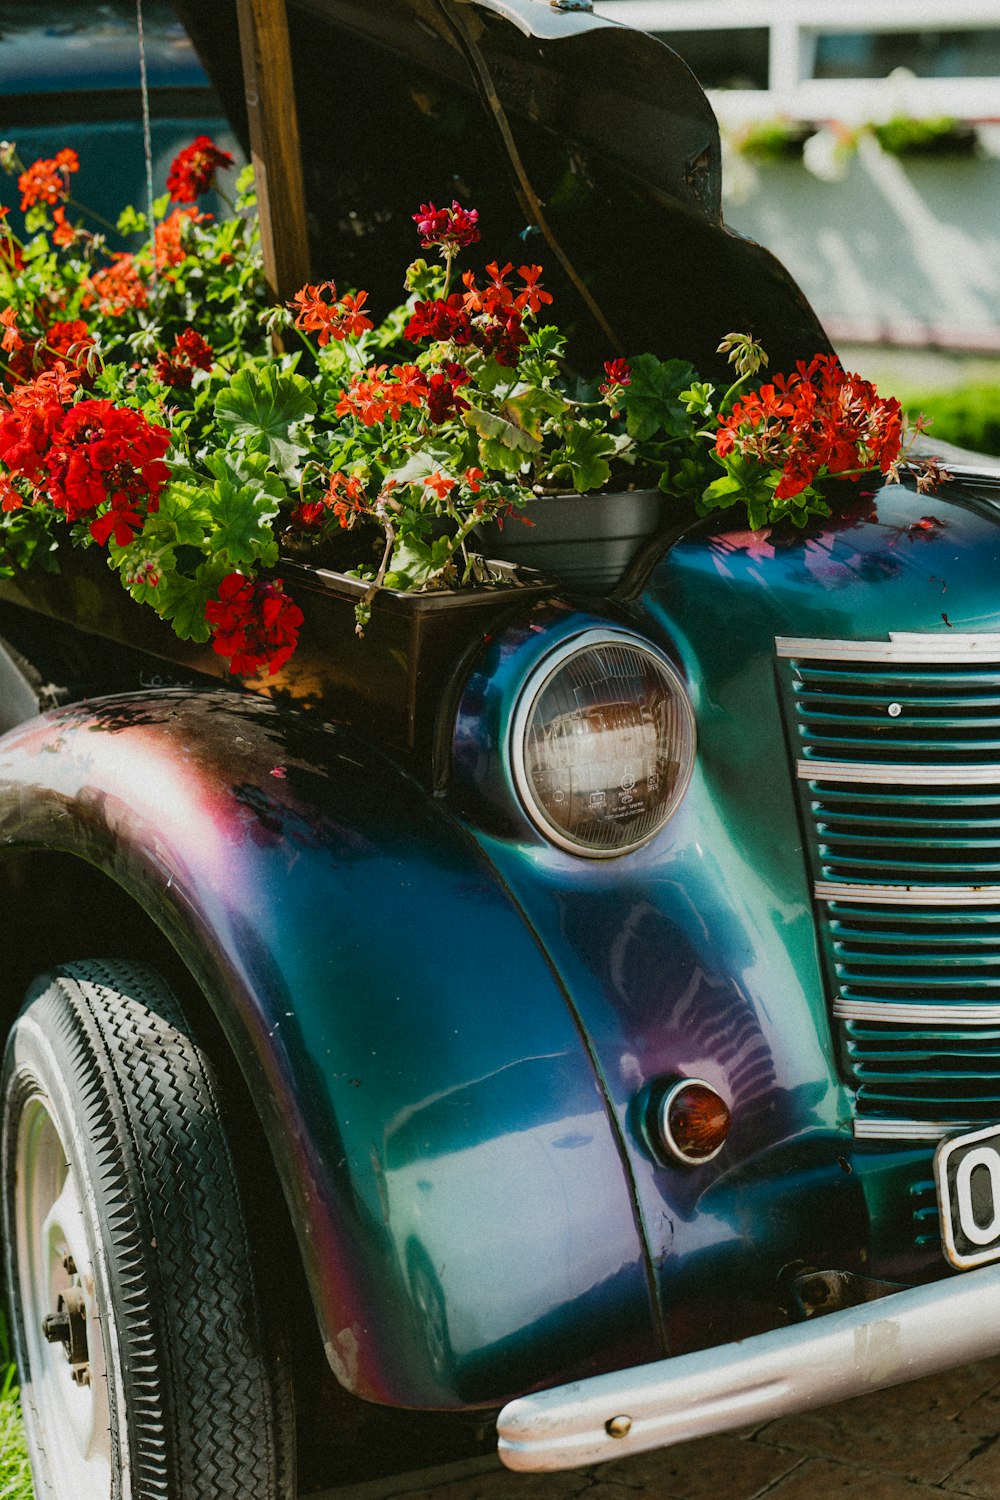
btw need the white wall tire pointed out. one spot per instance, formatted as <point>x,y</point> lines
<point>157,1377</point>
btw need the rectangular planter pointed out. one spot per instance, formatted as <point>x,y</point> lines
<point>390,682</point>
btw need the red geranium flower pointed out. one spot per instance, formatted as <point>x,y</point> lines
<point>440,320</point>
<point>502,337</point>
<point>443,400</point>
<point>451,228</point>
<point>254,623</point>
<point>63,343</point>
<point>119,286</point>
<point>818,420</point>
<point>193,170</point>
<point>190,352</point>
<point>100,454</point>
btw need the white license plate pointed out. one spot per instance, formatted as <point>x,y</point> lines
<point>967,1171</point>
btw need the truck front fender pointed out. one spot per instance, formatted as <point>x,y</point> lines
<point>465,1216</point>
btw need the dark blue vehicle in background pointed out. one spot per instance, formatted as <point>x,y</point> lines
<point>70,75</point>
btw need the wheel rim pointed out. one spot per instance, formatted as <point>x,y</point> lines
<point>69,1403</point>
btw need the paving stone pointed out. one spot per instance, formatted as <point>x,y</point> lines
<point>820,1479</point>
<point>923,1432</point>
<point>980,1476</point>
<point>718,1466</point>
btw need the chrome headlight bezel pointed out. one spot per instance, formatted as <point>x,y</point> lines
<point>534,687</point>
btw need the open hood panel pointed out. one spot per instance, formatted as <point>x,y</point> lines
<point>586,146</point>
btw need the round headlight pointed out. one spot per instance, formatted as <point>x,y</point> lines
<point>602,744</point>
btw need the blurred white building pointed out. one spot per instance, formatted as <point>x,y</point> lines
<point>892,246</point>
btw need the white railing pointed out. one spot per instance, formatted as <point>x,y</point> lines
<point>795,26</point>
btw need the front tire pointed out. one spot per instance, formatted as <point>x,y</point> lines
<point>145,1365</point>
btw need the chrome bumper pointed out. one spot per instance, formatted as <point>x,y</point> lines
<point>902,1337</point>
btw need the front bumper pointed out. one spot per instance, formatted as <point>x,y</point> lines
<point>898,1338</point>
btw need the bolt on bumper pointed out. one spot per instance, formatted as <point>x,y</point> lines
<point>902,1337</point>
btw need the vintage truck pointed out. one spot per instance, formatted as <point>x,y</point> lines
<point>537,1022</point>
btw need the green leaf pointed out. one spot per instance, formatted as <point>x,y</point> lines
<point>130,221</point>
<point>527,407</point>
<point>506,430</point>
<point>496,455</point>
<point>415,561</point>
<point>184,514</point>
<point>264,405</point>
<point>488,374</point>
<point>182,600</point>
<point>653,400</point>
<point>242,516</point>
<point>586,456</point>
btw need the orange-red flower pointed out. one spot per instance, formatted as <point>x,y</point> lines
<point>12,339</point>
<point>440,483</point>
<point>119,286</point>
<point>372,397</point>
<point>169,237</point>
<point>47,180</point>
<point>65,233</point>
<point>532,294</point>
<point>817,420</point>
<point>337,319</point>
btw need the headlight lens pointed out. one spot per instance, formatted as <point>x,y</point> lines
<point>602,744</point>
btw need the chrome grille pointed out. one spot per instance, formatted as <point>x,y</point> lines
<point>897,747</point>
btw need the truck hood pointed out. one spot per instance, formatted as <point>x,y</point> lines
<point>584,145</point>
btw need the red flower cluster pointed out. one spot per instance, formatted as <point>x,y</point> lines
<point>488,317</point>
<point>119,286</point>
<point>498,297</point>
<point>451,228</point>
<point>254,623</point>
<point>193,170</point>
<point>169,245</point>
<point>65,234</point>
<point>439,320</point>
<point>65,342</point>
<point>443,400</point>
<point>335,319</point>
<point>87,458</point>
<point>344,498</point>
<point>190,352</point>
<point>619,373</point>
<point>372,397</point>
<point>47,180</point>
<point>503,337</point>
<point>818,420</point>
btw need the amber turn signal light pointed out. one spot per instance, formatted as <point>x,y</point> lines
<point>693,1121</point>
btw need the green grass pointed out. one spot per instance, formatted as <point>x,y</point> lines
<point>968,415</point>
<point>15,1476</point>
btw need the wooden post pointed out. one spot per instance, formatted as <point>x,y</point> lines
<point>274,144</point>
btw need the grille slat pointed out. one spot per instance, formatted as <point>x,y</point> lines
<point>898,747</point>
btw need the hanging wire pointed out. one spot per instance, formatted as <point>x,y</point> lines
<point>147,139</point>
